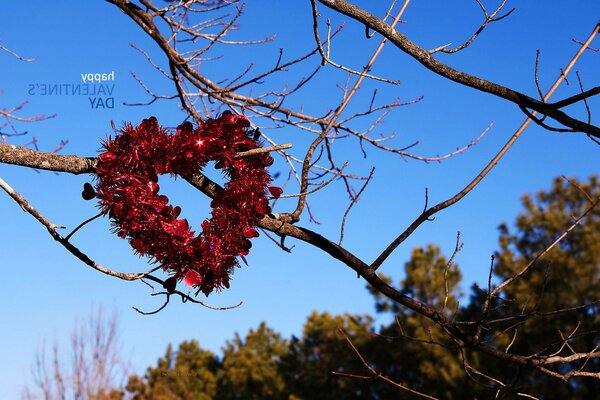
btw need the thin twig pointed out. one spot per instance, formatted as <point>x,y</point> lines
<point>531,263</point>
<point>374,373</point>
<point>12,53</point>
<point>82,224</point>
<point>352,203</point>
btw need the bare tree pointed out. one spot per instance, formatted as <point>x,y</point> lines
<point>91,368</point>
<point>189,33</point>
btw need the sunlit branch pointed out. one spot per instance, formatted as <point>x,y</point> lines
<point>425,58</point>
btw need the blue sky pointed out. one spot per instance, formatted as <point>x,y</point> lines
<point>45,288</point>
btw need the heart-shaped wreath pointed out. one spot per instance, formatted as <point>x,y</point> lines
<point>127,187</point>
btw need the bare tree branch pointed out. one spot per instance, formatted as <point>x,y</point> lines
<point>425,58</point>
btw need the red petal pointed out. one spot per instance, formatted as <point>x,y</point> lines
<point>206,227</point>
<point>275,191</point>
<point>192,278</point>
<point>106,157</point>
<point>250,232</point>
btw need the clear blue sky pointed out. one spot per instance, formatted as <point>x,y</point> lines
<point>45,288</point>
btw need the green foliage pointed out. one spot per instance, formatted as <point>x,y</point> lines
<point>567,276</point>
<point>418,353</point>
<point>250,368</point>
<point>430,278</point>
<point>312,359</point>
<point>190,373</point>
<point>263,365</point>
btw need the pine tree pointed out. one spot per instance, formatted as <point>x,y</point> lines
<point>250,367</point>
<point>561,289</point>
<point>189,373</point>
<point>413,351</point>
<point>312,360</point>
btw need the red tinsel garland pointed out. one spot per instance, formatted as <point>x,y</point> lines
<point>128,191</point>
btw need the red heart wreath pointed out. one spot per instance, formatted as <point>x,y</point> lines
<point>127,188</point>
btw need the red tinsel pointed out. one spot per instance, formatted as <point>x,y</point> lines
<point>128,191</point>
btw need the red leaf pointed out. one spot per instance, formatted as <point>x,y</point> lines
<point>192,278</point>
<point>250,232</point>
<point>275,191</point>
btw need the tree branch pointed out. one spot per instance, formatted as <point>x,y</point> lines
<point>426,59</point>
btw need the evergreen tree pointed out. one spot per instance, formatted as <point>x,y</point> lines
<point>188,374</point>
<point>250,367</point>
<point>413,351</point>
<point>312,359</point>
<point>556,287</point>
